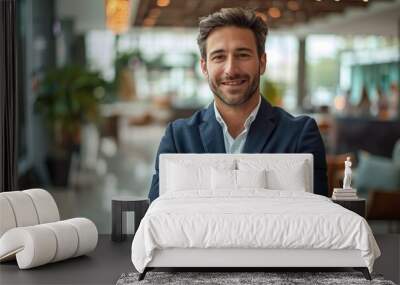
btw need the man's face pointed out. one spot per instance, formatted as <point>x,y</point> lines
<point>232,66</point>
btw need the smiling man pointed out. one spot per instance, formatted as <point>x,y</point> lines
<point>232,48</point>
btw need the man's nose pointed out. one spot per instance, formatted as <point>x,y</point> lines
<point>231,66</point>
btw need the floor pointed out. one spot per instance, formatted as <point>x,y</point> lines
<point>110,259</point>
<point>103,266</point>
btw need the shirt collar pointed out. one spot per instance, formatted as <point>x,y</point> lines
<point>248,121</point>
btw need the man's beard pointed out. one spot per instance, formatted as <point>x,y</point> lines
<point>248,93</point>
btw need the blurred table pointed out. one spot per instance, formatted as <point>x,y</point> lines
<point>122,204</point>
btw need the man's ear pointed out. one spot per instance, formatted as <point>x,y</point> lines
<point>203,64</point>
<point>263,63</point>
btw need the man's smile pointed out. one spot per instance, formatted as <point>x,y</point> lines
<point>236,82</point>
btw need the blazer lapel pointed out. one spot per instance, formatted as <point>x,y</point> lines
<point>211,132</point>
<point>260,129</point>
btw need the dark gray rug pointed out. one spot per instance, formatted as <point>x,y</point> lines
<point>269,278</point>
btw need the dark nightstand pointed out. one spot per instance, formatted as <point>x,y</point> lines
<point>358,206</point>
<point>120,205</point>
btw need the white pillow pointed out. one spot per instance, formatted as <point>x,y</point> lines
<point>251,178</point>
<point>295,180</point>
<point>281,175</point>
<point>186,175</point>
<point>237,179</point>
<point>223,179</point>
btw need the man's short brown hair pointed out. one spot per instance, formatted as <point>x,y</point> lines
<point>235,17</point>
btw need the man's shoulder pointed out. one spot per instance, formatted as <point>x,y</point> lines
<point>193,121</point>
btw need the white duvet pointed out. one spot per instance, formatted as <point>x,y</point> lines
<point>253,218</point>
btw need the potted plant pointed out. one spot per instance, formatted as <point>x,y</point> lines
<point>67,98</point>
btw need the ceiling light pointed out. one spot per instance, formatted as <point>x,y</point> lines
<point>118,13</point>
<point>163,3</point>
<point>274,12</point>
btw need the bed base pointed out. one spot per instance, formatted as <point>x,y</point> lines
<point>242,259</point>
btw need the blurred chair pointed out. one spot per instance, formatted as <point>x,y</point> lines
<point>350,134</point>
<point>378,178</point>
<point>384,205</point>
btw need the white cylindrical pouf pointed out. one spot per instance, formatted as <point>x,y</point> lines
<point>87,234</point>
<point>34,246</point>
<point>67,239</point>
<point>7,218</point>
<point>23,208</point>
<point>45,205</point>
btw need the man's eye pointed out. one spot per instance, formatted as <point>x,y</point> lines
<point>244,55</point>
<point>218,57</point>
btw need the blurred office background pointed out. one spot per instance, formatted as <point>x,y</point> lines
<point>99,81</point>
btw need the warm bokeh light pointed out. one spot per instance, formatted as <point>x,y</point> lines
<point>163,3</point>
<point>293,5</point>
<point>274,12</point>
<point>339,103</point>
<point>118,13</point>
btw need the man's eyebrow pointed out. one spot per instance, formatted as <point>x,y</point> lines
<point>217,51</point>
<point>244,49</point>
<point>236,50</point>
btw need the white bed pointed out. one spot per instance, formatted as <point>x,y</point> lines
<point>201,219</point>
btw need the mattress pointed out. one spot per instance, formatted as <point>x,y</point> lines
<point>250,219</point>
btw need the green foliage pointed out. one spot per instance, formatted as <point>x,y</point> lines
<point>272,92</point>
<point>122,60</point>
<point>68,96</point>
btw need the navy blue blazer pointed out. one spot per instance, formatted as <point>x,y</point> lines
<point>273,131</point>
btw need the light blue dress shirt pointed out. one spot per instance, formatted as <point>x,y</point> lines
<point>235,145</point>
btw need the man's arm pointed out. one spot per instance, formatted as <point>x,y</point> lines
<point>167,145</point>
<point>310,141</point>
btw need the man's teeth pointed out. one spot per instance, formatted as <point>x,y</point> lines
<point>233,82</point>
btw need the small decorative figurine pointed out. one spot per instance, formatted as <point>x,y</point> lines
<point>347,174</point>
